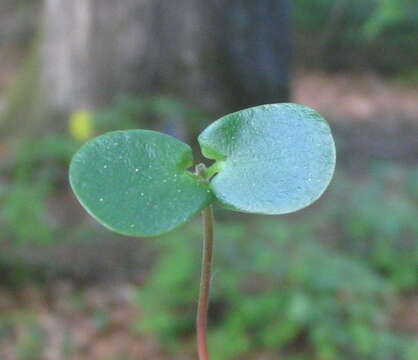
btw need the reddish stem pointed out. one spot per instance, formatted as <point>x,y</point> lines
<point>205,280</point>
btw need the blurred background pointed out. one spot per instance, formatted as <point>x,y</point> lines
<point>336,281</point>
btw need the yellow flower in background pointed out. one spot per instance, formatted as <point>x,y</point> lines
<point>81,125</point>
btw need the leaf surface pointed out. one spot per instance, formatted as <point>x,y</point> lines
<point>136,182</point>
<point>273,159</point>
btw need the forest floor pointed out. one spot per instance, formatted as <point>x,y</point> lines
<point>91,324</point>
<point>98,323</point>
<point>363,97</point>
<point>62,322</point>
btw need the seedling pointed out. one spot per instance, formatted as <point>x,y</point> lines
<point>270,159</point>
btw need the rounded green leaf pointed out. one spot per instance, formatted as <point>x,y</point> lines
<point>272,159</point>
<point>136,182</point>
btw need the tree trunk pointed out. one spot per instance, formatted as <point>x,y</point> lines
<point>220,55</point>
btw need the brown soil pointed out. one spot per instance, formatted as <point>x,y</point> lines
<point>99,323</point>
<point>95,324</point>
<point>361,98</point>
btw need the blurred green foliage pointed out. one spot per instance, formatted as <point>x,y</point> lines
<point>274,287</point>
<point>378,221</point>
<point>30,340</point>
<point>358,34</point>
<point>389,14</point>
<point>37,170</point>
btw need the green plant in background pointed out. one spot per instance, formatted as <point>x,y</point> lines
<point>270,159</point>
<point>370,30</point>
<point>30,338</point>
<point>390,13</point>
<point>23,213</point>
<point>276,288</point>
<point>377,223</point>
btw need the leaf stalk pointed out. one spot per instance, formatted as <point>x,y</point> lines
<point>206,274</point>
